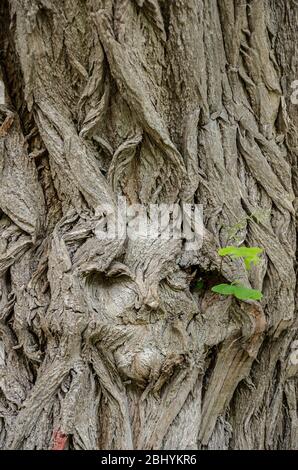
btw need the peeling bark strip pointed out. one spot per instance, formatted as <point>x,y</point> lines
<point>106,343</point>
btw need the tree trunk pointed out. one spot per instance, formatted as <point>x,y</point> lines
<point>108,343</point>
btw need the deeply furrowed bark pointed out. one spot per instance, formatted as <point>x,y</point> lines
<point>107,344</point>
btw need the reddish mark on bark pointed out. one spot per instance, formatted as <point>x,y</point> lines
<point>59,440</point>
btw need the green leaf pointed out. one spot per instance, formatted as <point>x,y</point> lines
<point>240,252</point>
<point>245,293</point>
<point>224,289</point>
<point>249,254</point>
<point>238,290</point>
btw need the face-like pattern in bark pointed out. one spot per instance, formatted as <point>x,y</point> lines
<point>145,306</point>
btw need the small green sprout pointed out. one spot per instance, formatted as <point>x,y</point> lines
<point>250,256</point>
<point>200,284</point>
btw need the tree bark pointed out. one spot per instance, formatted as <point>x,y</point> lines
<point>108,343</point>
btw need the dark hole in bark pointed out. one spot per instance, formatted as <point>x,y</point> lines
<point>204,279</point>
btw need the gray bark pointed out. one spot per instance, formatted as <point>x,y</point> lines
<point>107,344</point>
